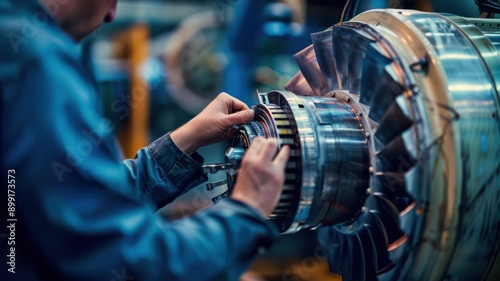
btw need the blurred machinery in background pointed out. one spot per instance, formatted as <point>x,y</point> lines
<point>198,48</point>
<point>393,121</point>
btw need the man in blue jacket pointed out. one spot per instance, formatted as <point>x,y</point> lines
<point>92,217</point>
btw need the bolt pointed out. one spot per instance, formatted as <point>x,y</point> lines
<point>420,65</point>
<point>282,225</point>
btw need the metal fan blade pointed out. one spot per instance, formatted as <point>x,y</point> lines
<point>356,98</point>
<point>354,266</point>
<point>393,123</point>
<point>394,157</point>
<point>412,175</point>
<point>388,222</point>
<point>337,249</point>
<point>373,125</point>
<point>407,221</point>
<point>373,68</point>
<point>349,51</point>
<point>308,64</point>
<point>298,84</point>
<point>371,254</point>
<point>383,93</point>
<point>392,185</point>
<point>323,47</point>
<point>394,181</point>
<point>389,206</point>
<point>379,245</point>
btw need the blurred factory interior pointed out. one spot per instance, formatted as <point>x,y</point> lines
<point>162,61</point>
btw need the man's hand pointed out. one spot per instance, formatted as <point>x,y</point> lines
<point>213,124</point>
<point>261,175</point>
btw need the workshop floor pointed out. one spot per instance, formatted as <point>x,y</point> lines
<point>293,270</point>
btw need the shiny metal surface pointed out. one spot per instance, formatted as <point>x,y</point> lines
<point>474,100</point>
<point>329,150</point>
<point>400,110</point>
<point>338,153</point>
<point>445,155</point>
<point>214,168</point>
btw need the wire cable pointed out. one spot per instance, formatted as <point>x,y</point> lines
<point>488,6</point>
<point>344,10</point>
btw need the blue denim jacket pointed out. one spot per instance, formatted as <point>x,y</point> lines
<point>80,212</point>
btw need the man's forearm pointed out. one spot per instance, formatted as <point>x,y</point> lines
<point>162,172</point>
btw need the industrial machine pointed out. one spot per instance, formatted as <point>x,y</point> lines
<point>393,123</point>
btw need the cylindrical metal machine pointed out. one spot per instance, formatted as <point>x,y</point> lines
<point>394,127</point>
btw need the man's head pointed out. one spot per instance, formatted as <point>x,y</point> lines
<point>81,17</point>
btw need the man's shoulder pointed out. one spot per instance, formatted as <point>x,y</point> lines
<point>26,37</point>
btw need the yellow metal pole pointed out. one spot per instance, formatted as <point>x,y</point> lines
<point>424,5</point>
<point>135,44</point>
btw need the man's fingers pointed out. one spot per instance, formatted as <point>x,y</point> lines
<point>269,150</point>
<point>266,149</point>
<point>255,147</point>
<point>240,117</point>
<point>235,104</point>
<point>282,158</point>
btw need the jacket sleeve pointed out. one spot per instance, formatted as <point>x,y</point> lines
<point>161,172</point>
<point>77,216</point>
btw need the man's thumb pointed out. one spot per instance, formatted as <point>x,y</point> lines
<point>241,117</point>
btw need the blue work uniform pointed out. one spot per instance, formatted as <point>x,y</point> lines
<point>80,212</point>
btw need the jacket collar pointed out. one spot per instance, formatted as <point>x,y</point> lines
<point>35,9</point>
